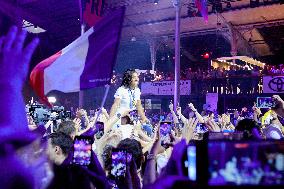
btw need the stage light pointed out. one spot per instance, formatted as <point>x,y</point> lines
<point>206,55</point>
<point>156,2</point>
<point>51,99</point>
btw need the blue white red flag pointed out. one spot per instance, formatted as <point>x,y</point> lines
<point>86,63</point>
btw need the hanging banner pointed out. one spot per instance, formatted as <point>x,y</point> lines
<point>165,88</point>
<point>212,101</point>
<point>273,84</point>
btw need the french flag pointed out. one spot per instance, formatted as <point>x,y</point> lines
<point>202,8</point>
<point>86,63</point>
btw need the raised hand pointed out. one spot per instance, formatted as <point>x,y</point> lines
<point>104,111</point>
<point>191,106</point>
<point>178,110</point>
<point>212,126</point>
<point>171,107</point>
<point>15,58</point>
<point>187,131</point>
<point>279,105</point>
<point>78,123</point>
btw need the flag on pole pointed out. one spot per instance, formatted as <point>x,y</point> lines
<point>86,63</point>
<point>92,11</point>
<point>202,8</point>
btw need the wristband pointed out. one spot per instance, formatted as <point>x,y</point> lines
<point>150,157</point>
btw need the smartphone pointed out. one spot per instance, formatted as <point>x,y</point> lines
<point>82,150</point>
<point>119,161</point>
<point>165,133</point>
<point>191,162</point>
<point>245,163</point>
<point>265,102</point>
<point>99,129</point>
<point>162,118</point>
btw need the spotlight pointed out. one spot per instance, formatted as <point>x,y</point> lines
<point>51,99</point>
<point>206,55</point>
<point>156,2</point>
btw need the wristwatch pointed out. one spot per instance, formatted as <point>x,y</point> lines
<point>118,115</point>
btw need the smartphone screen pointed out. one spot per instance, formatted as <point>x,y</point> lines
<point>265,102</point>
<point>82,150</point>
<point>165,133</point>
<point>191,162</point>
<point>99,132</point>
<point>250,163</point>
<point>118,165</point>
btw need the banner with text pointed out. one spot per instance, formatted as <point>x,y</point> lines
<point>273,84</point>
<point>165,88</point>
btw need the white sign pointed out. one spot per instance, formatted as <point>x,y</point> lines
<point>165,88</point>
<point>148,104</point>
<point>273,84</point>
<point>212,101</point>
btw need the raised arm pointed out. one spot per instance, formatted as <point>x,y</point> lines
<point>175,118</point>
<point>183,119</point>
<point>14,66</point>
<point>198,116</point>
<point>279,105</point>
<point>114,107</point>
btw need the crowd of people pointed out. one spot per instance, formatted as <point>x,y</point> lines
<point>236,80</point>
<point>119,148</point>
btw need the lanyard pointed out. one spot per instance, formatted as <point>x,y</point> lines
<point>132,98</point>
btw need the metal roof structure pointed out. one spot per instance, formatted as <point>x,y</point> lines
<point>260,27</point>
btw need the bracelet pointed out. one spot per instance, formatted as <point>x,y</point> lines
<point>150,157</point>
<point>118,115</point>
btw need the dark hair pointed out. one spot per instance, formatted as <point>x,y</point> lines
<point>127,77</point>
<point>106,156</point>
<point>67,127</point>
<point>62,140</point>
<point>247,125</point>
<point>127,120</point>
<point>134,147</point>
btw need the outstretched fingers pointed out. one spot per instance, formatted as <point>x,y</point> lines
<point>29,49</point>
<point>9,39</point>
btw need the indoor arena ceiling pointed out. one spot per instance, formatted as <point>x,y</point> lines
<point>146,19</point>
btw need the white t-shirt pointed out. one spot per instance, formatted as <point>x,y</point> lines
<point>126,130</point>
<point>126,96</point>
